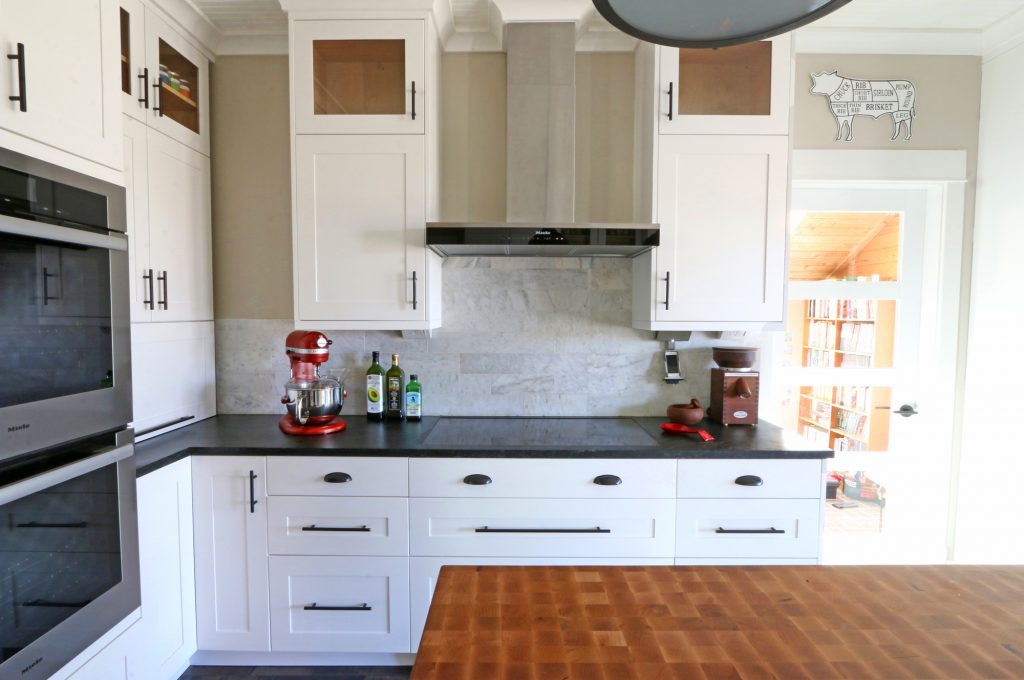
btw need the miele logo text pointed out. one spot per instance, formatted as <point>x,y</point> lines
<point>32,665</point>
<point>15,428</point>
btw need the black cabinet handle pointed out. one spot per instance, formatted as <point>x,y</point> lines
<point>46,287</point>
<point>252,492</point>
<point>326,608</point>
<point>163,282</point>
<point>489,530</point>
<point>148,282</point>
<point>144,77</point>
<point>161,426</point>
<point>667,287</point>
<point>749,480</point>
<point>54,604</point>
<point>670,100</point>
<point>51,525</point>
<point>313,527</point>
<point>337,477</point>
<point>158,99</point>
<point>414,290</point>
<point>21,97</point>
<point>414,100</point>
<point>608,480</point>
<point>476,480</point>
<point>772,530</point>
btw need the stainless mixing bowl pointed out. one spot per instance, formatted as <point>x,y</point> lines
<point>316,402</point>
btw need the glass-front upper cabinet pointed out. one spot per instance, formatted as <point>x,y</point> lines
<point>135,75</point>
<point>179,86</point>
<point>743,89</point>
<point>358,76</point>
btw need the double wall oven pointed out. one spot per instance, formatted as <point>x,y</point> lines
<point>68,534</point>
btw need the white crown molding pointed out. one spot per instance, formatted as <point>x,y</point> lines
<point>1003,35</point>
<point>239,44</point>
<point>815,40</point>
<point>192,22</point>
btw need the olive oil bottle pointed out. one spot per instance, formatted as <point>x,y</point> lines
<point>375,390</point>
<point>413,399</point>
<point>395,384</point>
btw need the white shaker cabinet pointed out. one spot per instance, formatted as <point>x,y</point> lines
<point>65,74</point>
<point>229,504</point>
<point>360,229</point>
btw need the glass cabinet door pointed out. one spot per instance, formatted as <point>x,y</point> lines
<point>178,81</point>
<point>359,76</point>
<point>743,89</point>
<point>135,76</point>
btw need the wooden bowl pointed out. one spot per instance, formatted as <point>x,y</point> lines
<point>734,357</point>
<point>686,414</point>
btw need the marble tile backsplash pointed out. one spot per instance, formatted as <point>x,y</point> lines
<point>521,336</point>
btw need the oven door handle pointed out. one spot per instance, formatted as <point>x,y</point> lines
<point>52,232</point>
<point>62,474</point>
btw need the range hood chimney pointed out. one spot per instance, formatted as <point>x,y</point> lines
<point>541,166</point>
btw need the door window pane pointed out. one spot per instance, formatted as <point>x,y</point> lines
<point>126,53</point>
<point>844,246</point>
<point>728,81</point>
<point>840,417</point>
<point>358,77</point>
<point>840,333</point>
<point>179,88</point>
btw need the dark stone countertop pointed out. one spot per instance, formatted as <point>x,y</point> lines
<point>478,437</point>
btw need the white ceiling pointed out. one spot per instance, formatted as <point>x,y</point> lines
<point>264,17</point>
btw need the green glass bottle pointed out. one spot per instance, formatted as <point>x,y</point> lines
<point>394,382</point>
<point>413,399</point>
<point>375,390</point>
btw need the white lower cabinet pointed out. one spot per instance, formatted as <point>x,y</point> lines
<point>309,525</point>
<point>759,528</point>
<point>339,604</point>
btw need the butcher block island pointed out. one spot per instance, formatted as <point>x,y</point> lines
<point>784,622</point>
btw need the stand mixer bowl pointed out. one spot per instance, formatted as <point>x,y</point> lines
<point>315,402</point>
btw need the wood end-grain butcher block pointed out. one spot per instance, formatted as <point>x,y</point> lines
<point>665,623</point>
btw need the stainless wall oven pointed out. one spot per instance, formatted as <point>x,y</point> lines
<point>69,565</point>
<point>65,336</point>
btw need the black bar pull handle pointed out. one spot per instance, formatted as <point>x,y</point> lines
<point>414,100</point>
<point>55,604</point>
<point>21,97</point>
<point>671,99</point>
<point>148,430</point>
<point>608,480</point>
<point>313,527</point>
<point>46,287</point>
<point>772,530</point>
<point>476,480</point>
<point>749,480</point>
<point>337,477</point>
<point>147,279</point>
<point>51,525</point>
<point>414,290</point>
<point>327,608</point>
<point>144,77</point>
<point>162,303</point>
<point>252,492</point>
<point>489,530</point>
<point>158,99</point>
<point>668,287</point>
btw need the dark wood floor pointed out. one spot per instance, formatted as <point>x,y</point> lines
<point>293,672</point>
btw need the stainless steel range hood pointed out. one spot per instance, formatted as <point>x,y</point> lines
<point>541,166</point>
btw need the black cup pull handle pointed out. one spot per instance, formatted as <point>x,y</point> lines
<point>21,97</point>
<point>608,480</point>
<point>477,480</point>
<point>749,480</point>
<point>414,100</point>
<point>337,477</point>
<point>252,492</point>
<point>158,99</point>
<point>144,77</point>
<point>671,99</point>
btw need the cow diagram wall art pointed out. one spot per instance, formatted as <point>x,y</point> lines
<point>849,98</point>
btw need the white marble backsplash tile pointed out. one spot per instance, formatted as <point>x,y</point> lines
<point>521,336</point>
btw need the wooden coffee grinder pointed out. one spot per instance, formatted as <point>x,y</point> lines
<point>734,386</point>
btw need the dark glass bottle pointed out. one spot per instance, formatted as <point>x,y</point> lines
<point>375,390</point>
<point>394,383</point>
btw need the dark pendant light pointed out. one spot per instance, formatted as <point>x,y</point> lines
<point>711,23</point>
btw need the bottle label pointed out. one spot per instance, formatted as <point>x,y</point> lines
<point>412,404</point>
<point>374,394</point>
<point>394,394</point>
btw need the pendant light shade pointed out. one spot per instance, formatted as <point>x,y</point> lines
<point>711,23</point>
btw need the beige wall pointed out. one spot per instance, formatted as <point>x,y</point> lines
<point>251,165</point>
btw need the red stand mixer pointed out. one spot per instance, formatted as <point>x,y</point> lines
<point>313,402</point>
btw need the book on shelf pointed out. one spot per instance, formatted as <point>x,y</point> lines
<point>847,444</point>
<point>851,422</point>
<point>851,310</point>
<point>853,397</point>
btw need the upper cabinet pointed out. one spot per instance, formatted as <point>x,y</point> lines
<point>359,76</point>
<point>164,78</point>
<point>59,80</point>
<point>743,89</point>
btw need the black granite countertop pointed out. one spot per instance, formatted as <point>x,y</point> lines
<point>473,437</point>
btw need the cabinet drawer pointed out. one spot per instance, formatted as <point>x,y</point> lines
<point>545,478</point>
<point>724,479</point>
<point>339,604</point>
<point>311,476</point>
<point>747,529</point>
<point>536,528</point>
<point>307,525</point>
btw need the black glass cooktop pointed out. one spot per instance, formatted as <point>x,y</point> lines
<point>526,432</point>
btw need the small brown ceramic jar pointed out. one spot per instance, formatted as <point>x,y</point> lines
<point>686,414</point>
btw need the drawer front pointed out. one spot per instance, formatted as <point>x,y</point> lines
<point>747,529</point>
<point>339,604</point>
<point>541,528</point>
<point>423,573</point>
<point>337,476</point>
<point>540,478</point>
<point>310,525</point>
<point>739,479</point>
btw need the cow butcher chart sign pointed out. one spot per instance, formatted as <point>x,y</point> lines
<point>849,98</point>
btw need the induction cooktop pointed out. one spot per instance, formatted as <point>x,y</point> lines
<point>540,432</point>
